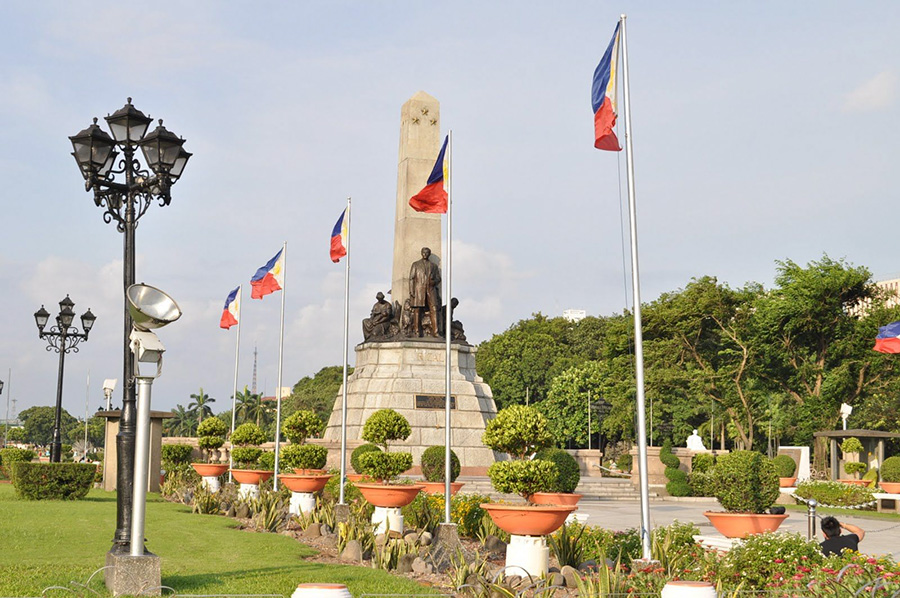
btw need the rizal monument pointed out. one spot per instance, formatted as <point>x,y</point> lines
<point>401,363</point>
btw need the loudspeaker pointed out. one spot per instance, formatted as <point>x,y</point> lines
<point>150,308</point>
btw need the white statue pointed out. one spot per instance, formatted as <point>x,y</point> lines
<point>695,443</point>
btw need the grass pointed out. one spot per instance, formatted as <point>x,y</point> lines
<point>62,543</point>
<point>822,511</point>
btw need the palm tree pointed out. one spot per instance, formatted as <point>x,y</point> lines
<point>183,424</point>
<point>248,406</point>
<point>200,405</point>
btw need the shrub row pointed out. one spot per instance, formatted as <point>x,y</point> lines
<point>53,481</point>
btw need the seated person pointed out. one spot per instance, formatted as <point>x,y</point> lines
<point>835,542</point>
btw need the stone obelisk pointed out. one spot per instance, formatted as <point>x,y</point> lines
<point>420,142</point>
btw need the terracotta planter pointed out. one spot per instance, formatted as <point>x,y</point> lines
<point>862,483</point>
<point>386,495</point>
<point>528,520</point>
<point>741,525</point>
<point>554,498</point>
<point>308,471</point>
<point>210,469</point>
<point>250,476</point>
<point>357,477</point>
<point>304,483</point>
<point>890,487</point>
<point>440,487</point>
<point>787,482</point>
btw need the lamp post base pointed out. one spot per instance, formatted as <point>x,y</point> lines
<point>128,575</point>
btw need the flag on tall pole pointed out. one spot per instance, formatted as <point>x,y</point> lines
<point>603,97</point>
<point>231,315</point>
<point>340,236</point>
<point>269,278</point>
<point>432,199</point>
<point>888,339</point>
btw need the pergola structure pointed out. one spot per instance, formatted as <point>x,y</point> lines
<point>872,441</point>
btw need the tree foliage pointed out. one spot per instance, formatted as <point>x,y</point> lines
<point>316,394</point>
<point>39,421</point>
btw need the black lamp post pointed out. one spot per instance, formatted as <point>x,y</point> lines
<point>62,338</point>
<point>125,189</point>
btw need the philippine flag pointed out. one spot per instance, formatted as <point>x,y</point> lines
<point>887,340</point>
<point>232,312</point>
<point>269,278</point>
<point>432,199</point>
<point>603,97</point>
<point>339,237</point>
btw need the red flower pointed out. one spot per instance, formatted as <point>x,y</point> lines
<point>779,560</point>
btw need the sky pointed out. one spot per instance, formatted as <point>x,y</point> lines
<point>762,131</point>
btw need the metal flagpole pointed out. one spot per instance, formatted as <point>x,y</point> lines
<point>87,400</point>
<point>636,290</point>
<point>237,345</point>
<point>449,309</point>
<point>280,362</point>
<point>346,348</point>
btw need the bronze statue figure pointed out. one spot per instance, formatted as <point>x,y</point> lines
<point>379,324</point>
<point>424,292</point>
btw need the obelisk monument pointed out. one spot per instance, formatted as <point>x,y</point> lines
<point>401,362</point>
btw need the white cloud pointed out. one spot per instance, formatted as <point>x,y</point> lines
<point>875,94</point>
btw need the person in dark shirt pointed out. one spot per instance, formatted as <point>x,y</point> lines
<point>835,542</point>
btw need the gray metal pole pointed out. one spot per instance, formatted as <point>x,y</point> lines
<point>237,348</point>
<point>811,519</point>
<point>8,394</point>
<point>141,465</point>
<point>447,325</point>
<point>636,285</point>
<point>280,363</point>
<point>346,335</point>
<point>589,419</point>
<point>87,399</point>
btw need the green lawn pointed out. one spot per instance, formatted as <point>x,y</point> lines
<point>61,543</point>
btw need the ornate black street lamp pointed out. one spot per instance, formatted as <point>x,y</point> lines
<point>125,189</point>
<point>62,338</point>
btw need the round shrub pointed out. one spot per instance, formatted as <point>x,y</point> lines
<point>212,426</point>
<point>304,456</point>
<point>518,431</point>
<point>567,467</point>
<point>703,462</point>
<point>745,482</point>
<point>384,466</point>
<point>176,454</point>
<point>522,477</point>
<point>248,434</point>
<point>890,469</point>
<point>433,461</point>
<point>266,460</point>
<point>851,445</point>
<point>667,457</point>
<point>852,467</point>
<point>359,452</point>
<point>784,466</point>
<point>246,457</point>
<point>385,425</point>
<point>301,425</point>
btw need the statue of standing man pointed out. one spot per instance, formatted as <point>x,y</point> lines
<point>424,292</point>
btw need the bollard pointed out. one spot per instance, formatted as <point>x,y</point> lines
<point>811,519</point>
<point>321,590</point>
<point>688,589</point>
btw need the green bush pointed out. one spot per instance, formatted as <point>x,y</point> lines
<point>246,457</point>
<point>677,484</point>
<point>359,452</point>
<point>53,481</point>
<point>466,512</point>
<point>523,477</point>
<point>266,461</point>
<point>176,454</point>
<point>665,455</point>
<point>567,467</point>
<point>212,426</point>
<point>890,469</point>
<point>702,462</point>
<point>702,483</point>
<point>835,494</point>
<point>518,431</point>
<point>623,462</point>
<point>852,467</point>
<point>851,445</point>
<point>333,488</point>
<point>385,425</point>
<point>385,466</point>
<point>760,558</point>
<point>784,465</point>
<point>9,456</point>
<point>433,462</point>
<point>248,434</point>
<point>301,425</point>
<point>304,456</point>
<point>745,482</point>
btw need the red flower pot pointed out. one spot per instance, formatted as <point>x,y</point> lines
<point>210,469</point>
<point>440,487</point>
<point>386,495</point>
<point>304,483</point>
<point>528,520</point>
<point>554,498</point>
<point>250,476</point>
<point>890,487</point>
<point>741,525</point>
<point>862,483</point>
<point>787,482</point>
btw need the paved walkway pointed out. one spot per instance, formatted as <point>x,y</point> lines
<point>882,535</point>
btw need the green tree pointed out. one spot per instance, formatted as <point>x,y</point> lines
<point>200,405</point>
<point>96,431</point>
<point>248,407</point>
<point>38,423</point>
<point>15,435</point>
<point>316,394</point>
<point>566,404</point>
<point>184,423</point>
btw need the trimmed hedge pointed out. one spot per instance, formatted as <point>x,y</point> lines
<point>53,481</point>
<point>785,466</point>
<point>678,483</point>
<point>176,454</point>
<point>433,461</point>
<point>359,452</point>
<point>10,456</point>
<point>890,469</point>
<point>566,465</point>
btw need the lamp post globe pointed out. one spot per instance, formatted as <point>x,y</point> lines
<point>124,188</point>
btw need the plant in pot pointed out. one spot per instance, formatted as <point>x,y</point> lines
<point>890,475</point>
<point>746,485</point>
<point>382,427</point>
<point>568,475</point>
<point>785,467</point>
<point>851,448</point>
<point>297,428</point>
<point>355,463</point>
<point>211,436</point>
<point>433,464</point>
<point>306,460</point>
<point>247,438</point>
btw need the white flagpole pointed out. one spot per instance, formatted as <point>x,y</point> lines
<point>346,348</point>
<point>449,309</point>
<point>636,289</point>
<point>87,399</point>
<point>280,362</point>
<point>237,345</point>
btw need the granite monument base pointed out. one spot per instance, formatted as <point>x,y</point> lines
<point>128,575</point>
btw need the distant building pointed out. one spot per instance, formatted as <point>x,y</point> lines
<point>574,315</point>
<point>890,286</point>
